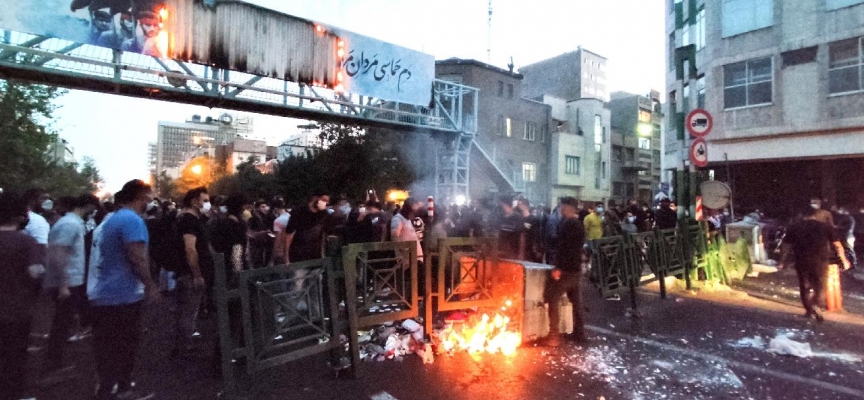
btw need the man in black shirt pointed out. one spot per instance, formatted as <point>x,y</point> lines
<point>812,243</point>
<point>666,217</point>
<point>512,229</point>
<point>567,275</point>
<point>305,230</point>
<point>228,234</point>
<point>198,262</point>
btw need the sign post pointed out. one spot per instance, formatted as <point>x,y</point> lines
<point>699,123</point>
<point>699,153</point>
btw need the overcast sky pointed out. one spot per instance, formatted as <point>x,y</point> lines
<point>630,33</point>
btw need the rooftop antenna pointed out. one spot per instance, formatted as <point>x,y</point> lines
<point>489,36</point>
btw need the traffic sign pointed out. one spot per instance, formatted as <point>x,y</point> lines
<point>699,153</point>
<point>699,122</point>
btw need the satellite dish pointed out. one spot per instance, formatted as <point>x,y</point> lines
<point>716,195</point>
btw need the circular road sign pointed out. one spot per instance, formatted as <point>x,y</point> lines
<point>699,153</point>
<point>715,194</point>
<point>699,123</point>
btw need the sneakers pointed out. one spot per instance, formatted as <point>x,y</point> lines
<point>550,341</point>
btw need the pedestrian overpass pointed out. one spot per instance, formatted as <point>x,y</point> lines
<point>237,70</point>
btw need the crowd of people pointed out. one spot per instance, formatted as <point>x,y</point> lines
<point>100,263</point>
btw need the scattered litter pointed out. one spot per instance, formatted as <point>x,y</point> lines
<point>785,346</point>
<point>755,342</point>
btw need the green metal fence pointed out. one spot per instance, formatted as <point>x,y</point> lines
<point>622,263</point>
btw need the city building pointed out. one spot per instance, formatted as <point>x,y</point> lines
<point>61,153</point>
<point>303,143</point>
<point>783,83</point>
<point>636,146</point>
<point>579,74</point>
<point>180,142</point>
<point>510,151</point>
<point>240,151</point>
<point>151,158</point>
<point>579,149</point>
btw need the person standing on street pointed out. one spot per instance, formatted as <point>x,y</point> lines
<point>666,217</point>
<point>594,223</point>
<point>65,279</point>
<point>511,232</point>
<point>822,215</point>
<point>402,226</point>
<point>37,226</point>
<point>567,275</point>
<point>190,274</point>
<point>123,285</point>
<point>20,273</point>
<point>811,244</point>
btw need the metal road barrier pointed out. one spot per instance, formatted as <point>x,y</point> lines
<point>622,263</point>
<point>273,315</point>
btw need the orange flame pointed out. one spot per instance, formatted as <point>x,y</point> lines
<point>490,334</point>
<point>162,43</point>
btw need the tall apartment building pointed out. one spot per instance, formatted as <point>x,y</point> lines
<point>783,81</point>
<point>179,142</point>
<point>510,152</point>
<point>636,146</point>
<point>579,149</point>
<point>579,74</point>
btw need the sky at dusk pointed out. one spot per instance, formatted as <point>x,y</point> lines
<point>630,33</point>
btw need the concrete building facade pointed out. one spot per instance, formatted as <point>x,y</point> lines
<point>636,143</point>
<point>61,152</point>
<point>179,142</point>
<point>510,152</point>
<point>579,74</point>
<point>783,81</point>
<point>579,149</point>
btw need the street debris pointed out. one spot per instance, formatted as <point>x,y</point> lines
<point>785,346</point>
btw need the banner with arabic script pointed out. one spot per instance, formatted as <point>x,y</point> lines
<point>386,71</point>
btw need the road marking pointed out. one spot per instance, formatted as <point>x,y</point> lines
<point>382,396</point>
<point>744,366</point>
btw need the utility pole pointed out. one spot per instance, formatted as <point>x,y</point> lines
<point>489,36</point>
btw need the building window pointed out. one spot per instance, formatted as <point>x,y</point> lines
<point>529,172</point>
<point>543,133</point>
<point>530,132</point>
<point>603,169</point>
<point>844,66</point>
<point>685,34</point>
<point>671,60</point>
<point>748,83</point>
<point>508,127</point>
<point>685,99</point>
<point>700,92</point>
<point>741,16</point>
<point>673,105</point>
<point>500,89</point>
<point>699,29</point>
<point>832,5</point>
<point>644,116</point>
<point>509,90</point>
<point>598,130</point>
<point>617,154</point>
<point>645,144</point>
<point>571,165</point>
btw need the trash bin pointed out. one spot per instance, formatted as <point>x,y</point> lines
<point>752,234</point>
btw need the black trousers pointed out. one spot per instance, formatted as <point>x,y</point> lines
<point>116,333</point>
<point>14,336</point>
<point>571,284</point>
<point>812,274</point>
<point>64,318</point>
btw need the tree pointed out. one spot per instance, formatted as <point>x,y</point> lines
<point>24,137</point>
<point>165,187</point>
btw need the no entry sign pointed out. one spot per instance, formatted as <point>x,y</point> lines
<point>699,123</point>
<point>699,153</point>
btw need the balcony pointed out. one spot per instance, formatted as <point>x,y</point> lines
<point>633,166</point>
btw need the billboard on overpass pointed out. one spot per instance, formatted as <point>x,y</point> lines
<point>234,35</point>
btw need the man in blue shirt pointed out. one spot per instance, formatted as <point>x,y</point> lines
<point>124,283</point>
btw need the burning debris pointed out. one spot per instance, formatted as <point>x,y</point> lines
<point>477,334</point>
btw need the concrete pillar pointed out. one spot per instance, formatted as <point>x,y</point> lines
<point>829,184</point>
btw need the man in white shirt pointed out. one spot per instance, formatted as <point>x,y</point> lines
<point>37,227</point>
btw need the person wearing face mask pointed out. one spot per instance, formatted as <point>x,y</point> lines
<point>594,223</point>
<point>822,215</point>
<point>666,217</point>
<point>628,224</point>
<point>305,230</point>
<point>279,225</point>
<point>192,273</point>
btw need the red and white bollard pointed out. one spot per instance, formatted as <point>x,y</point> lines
<point>431,201</point>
